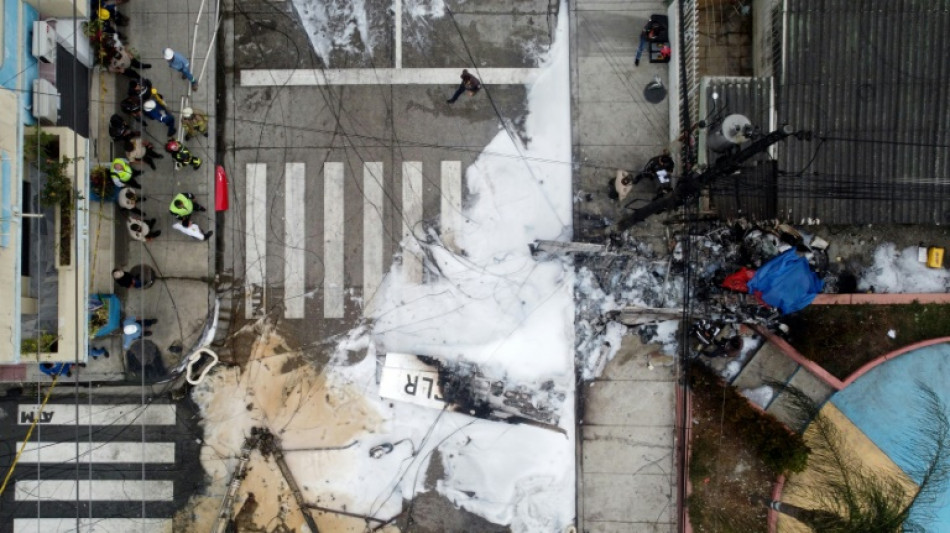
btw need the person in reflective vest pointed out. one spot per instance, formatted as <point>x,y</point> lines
<point>183,205</point>
<point>181,154</point>
<point>123,175</point>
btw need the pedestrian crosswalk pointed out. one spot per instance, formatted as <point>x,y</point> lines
<point>96,467</point>
<point>390,207</point>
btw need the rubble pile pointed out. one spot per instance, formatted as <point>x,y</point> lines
<point>629,284</point>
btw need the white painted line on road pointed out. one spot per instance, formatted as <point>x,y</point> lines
<point>451,210</point>
<point>294,240</point>
<point>333,226</point>
<point>372,232</point>
<point>384,76</point>
<point>255,252</point>
<point>124,490</point>
<point>98,452</point>
<point>411,217</point>
<point>92,525</point>
<point>156,414</point>
<point>397,8</point>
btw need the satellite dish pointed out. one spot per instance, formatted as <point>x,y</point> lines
<point>734,130</point>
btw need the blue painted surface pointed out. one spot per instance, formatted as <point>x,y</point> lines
<point>6,198</point>
<point>884,405</point>
<point>10,77</point>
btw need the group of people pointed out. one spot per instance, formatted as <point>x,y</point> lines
<point>143,104</point>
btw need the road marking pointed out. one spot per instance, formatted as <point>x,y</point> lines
<point>372,231</point>
<point>397,8</point>
<point>98,452</point>
<point>89,525</point>
<point>294,240</point>
<point>255,252</point>
<point>411,217</point>
<point>333,225</point>
<point>162,414</point>
<point>94,490</point>
<point>383,76</point>
<point>451,209</point>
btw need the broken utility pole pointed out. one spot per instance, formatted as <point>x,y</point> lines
<point>691,184</point>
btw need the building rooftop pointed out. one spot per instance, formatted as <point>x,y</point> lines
<point>872,81</point>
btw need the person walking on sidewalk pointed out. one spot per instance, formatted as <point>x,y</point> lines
<point>183,205</point>
<point>182,155</point>
<point>649,34</point>
<point>154,111</point>
<point>126,279</point>
<point>123,175</point>
<point>194,121</point>
<point>138,150</point>
<point>128,201</point>
<point>469,83</point>
<point>136,328</point>
<point>141,230</point>
<point>178,62</point>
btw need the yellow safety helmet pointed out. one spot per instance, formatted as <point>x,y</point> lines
<point>103,13</point>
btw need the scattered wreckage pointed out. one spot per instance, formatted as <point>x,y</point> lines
<point>463,388</point>
<point>734,273</point>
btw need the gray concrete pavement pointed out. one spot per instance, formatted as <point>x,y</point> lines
<point>181,297</point>
<point>627,469</point>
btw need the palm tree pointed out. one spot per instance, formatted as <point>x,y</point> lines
<point>853,498</point>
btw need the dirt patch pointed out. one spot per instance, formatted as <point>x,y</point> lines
<point>280,390</point>
<point>842,338</point>
<point>729,482</point>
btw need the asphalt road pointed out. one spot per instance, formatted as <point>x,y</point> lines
<point>136,465</point>
<point>330,178</point>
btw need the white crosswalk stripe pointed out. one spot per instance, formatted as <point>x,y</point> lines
<point>372,231</point>
<point>411,217</point>
<point>294,240</point>
<point>333,275</point>
<point>378,208</point>
<point>92,525</point>
<point>54,485</point>
<point>451,212</point>
<point>255,243</point>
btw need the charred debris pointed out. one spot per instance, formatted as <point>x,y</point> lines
<point>633,283</point>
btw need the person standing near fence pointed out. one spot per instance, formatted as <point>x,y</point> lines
<point>178,62</point>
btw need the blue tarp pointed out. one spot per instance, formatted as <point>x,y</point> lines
<point>786,282</point>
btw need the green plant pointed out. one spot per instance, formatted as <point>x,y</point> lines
<point>849,496</point>
<point>42,345</point>
<point>101,183</point>
<point>780,449</point>
<point>58,188</point>
<point>39,146</point>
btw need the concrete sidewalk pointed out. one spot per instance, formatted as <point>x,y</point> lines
<point>182,295</point>
<point>627,437</point>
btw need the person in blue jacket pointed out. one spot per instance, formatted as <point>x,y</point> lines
<point>178,62</point>
<point>156,111</point>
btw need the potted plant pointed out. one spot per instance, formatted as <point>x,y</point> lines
<point>58,192</point>
<point>45,344</point>
<point>101,187</point>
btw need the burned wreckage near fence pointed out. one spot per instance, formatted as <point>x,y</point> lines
<point>724,273</point>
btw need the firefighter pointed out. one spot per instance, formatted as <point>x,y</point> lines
<point>181,154</point>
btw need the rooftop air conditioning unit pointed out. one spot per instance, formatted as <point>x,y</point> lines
<point>44,41</point>
<point>45,101</point>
